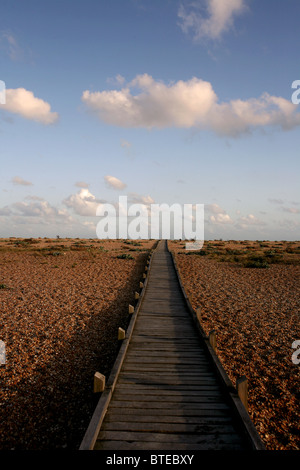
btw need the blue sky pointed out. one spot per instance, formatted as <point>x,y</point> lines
<point>163,101</point>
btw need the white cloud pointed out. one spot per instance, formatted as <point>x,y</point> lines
<point>83,203</point>
<point>9,43</point>
<point>34,198</point>
<point>82,184</point>
<point>134,198</point>
<point>181,104</point>
<point>5,211</point>
<point>244,222</point>
<point>24,103</point>
<point>125,144</point>
<point>118,80</point>
<point>221,219</point>
<point>214,208</point>
<point>291,210</point>
<point>188,104</point>
<point>219,215</point>
<point>113,182</point>
<point>276,201</point>
<point>17,180</point>
<point>217,19</point>
<point>39,212</point>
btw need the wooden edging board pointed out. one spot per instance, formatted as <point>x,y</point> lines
<point>241,413</point>
<point>95,424</point>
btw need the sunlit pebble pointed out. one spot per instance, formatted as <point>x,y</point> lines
<point>252,309</point>
<point>41,314</point>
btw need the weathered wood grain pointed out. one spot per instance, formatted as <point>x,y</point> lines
<point>167,394</point>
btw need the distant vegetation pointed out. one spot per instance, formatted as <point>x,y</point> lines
<point>250,254</point>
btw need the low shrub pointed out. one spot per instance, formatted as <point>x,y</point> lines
<point>255,262</point>
<point>125,256</point>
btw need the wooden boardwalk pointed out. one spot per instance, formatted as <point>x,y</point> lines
<point>167,392</point>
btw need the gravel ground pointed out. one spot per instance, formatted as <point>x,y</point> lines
<point>256,315</point>
<point>61,303</point>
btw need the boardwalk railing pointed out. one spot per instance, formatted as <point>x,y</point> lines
<point>137,375</point>
<point>238,404</point>
<point>94,427</point>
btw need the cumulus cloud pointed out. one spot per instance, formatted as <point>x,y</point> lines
<point>214,209</point>
<point>291,210</point>
<point>83,203</point>
<point>113,182</point>
<point>245,222</point>
<point>5,211</point>
<point>188,104</point>
<point>39,212</point>
<point>82,184</point>
<point>134,198</point>
<point>217,19</point>
<point>219,215</point>
<point>34,198</point>
<point>17,180</point>
<point>24,103</point>
<point>221,219</point>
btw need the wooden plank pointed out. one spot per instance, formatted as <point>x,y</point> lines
<point>170,383</point>
<point>153,352</point>
<point>169,438</point>
<point>167,395</point>
<point>205,404</point>
<point>164,388</point>
<point>163,418</point>
<point>173,340</point>
<point>190,397</point>
<point>199,412</point>
<point>187,363</point>
<point>176,368</point>
<point>174,382</point>
<point>168,373</point>
<point>175,427</point>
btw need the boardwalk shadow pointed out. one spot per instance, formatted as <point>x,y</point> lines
<point>52,409</point>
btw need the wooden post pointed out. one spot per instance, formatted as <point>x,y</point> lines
<point>130,309</point>
<point>198,313</point>
<point>141,285</point>
<point>212,339</point>
<point>146,268</point>
<point>99,382</point>
<point>144,276</point>
<point>242,389</point>
<point>121,333</point>
<point>136,295</point>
